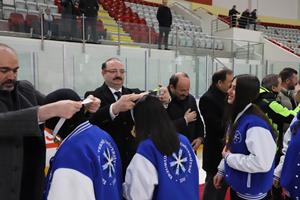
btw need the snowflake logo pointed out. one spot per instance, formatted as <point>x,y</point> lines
<point>237,137</point>
<point>178,163</point>
<point>109,162</point>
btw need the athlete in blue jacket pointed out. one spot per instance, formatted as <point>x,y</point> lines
<point>87,165</point>
<point>288,169</point>
<point>165,165</point>
<point>248,162</point>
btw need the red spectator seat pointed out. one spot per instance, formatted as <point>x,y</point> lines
<point>31,21</point>
<point>16,22</point>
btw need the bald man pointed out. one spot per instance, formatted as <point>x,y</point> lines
<point>183,109</point>
<point>24,156</point>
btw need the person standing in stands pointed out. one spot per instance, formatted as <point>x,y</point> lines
<point>211,106</point>
<point>253,18</point>
<point>68,16</point>
<point>233,16</point>
<point>248,157</point>
<point>244,19</point>
<point>116,100</point>
<point>165,165</point>
<point>87,164</point>
<point>183,109</point>
<point>90,10</point>
<point>164,17</point>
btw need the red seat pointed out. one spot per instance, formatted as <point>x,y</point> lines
<point>16,22</point>
<point>30,21</point>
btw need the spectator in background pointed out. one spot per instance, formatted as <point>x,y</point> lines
<point>48,21</point>
<point>164,17</point>
<point>164,166</point>
<point>245,19</point>
<point>211,106</point>
<point>87,164</point>
<point>90,10</point>
<point>248,157</point>
<point>183,110</point>
<point>233,16</point>
<point>68,16</point>
<point>253,18</point>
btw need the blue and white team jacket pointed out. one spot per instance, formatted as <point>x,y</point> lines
<point>249,167</point>
<point>290,175</point>
<point>152,175</point>
<point>87,166</point>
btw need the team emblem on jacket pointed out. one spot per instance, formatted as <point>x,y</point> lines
<point>237,137</point>
<point>107,159</point>
<point>178,166</point>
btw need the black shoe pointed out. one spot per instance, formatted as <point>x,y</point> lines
<point>167,49</point>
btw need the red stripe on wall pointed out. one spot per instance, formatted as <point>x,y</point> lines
<point>207,2</point>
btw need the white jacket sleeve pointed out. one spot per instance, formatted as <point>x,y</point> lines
<point>69,184</point>
<point>262,148</point>
<point>286,140</point>
<point>140,179</point>
<point>199,168</point>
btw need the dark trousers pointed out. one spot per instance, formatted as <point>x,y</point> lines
<point>163,33</point>
<point>210,192</point>
<point>69,27</point>
<point>91,22</point>
<point>233,196</point>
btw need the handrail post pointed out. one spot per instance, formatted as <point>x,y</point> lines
<point>83,33</point>
<point>42,31</point>
<point>177,42</point>
<point>149,40</point>
<point>119,39</point>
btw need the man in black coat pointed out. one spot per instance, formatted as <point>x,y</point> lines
<point>114,115</point>
<point>68,19</point>
<point>211,106</point>
<point>253,18</point>
<point>233,16</point>
<point>244,20</point>
<point>183,110</point>
<point>90,10</point>
<point>164,17</point>
<point>22,153</point>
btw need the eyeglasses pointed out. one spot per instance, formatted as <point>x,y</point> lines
<point>5,70</point>
<point>114,71</point>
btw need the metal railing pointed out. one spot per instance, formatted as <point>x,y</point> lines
<point>80,29</point>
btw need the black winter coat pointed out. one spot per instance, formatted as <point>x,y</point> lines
<point>211,106</point>
<point>22,159</point>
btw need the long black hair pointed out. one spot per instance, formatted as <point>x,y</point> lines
<point>246,91</point>
<point>70,124</point>
<point>296,125</point>
<point>152,121</point>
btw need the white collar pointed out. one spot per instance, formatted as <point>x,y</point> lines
<point>114,90</point>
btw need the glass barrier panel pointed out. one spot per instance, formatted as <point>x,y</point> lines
<point>26,70</point>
